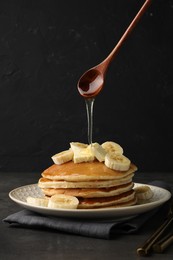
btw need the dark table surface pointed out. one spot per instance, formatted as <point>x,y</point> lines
<point>23,243</point>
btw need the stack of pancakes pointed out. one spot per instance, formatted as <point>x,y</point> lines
<point>94,184</point>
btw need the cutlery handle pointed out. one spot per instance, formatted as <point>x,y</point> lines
<point>146,247</point>
<point>161,245</point>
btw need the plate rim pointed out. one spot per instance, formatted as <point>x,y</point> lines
<point>152,204</point>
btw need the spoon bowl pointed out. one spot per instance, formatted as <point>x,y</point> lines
<point>91,83</point>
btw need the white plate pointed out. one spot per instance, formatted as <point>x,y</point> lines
<point>19,195</point>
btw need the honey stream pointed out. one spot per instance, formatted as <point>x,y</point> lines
<point>89,108</point>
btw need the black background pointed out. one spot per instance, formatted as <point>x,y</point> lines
<point>45,46</point>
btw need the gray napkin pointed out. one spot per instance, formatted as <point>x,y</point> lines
<point>84,227</point>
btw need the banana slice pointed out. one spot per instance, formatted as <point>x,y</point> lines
<point>98,151</point>
<point>42,202</point>
<point>63,201</point>
<point>82,152</point>
<point>83,156</point>
<point>76,146</point>
<point>143,192</point>
<point>63,157</point>
<point>117,162</point>
<point>110,146</point>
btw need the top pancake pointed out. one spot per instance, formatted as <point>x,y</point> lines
<point>85,171</point>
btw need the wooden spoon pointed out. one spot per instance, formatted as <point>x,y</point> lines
<point>92,81</point>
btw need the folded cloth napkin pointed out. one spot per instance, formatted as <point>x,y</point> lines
<point>91,228</point>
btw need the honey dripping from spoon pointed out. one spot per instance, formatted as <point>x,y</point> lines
<point>89,108</point>
<point>92,81</point>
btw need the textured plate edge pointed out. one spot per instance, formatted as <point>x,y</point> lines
<point>112,211</point>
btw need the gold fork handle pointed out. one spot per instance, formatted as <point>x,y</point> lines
<point>161,245</point>
<point>146,247</point>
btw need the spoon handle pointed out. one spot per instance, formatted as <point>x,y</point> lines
<point>104,64</point>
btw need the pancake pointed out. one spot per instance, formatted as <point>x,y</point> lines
<point>48,183</point>
<point>124,199</point>
<point>125,204</point>
<point>85,171</point>
<point>113,201</point>
<point>90,193</point>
